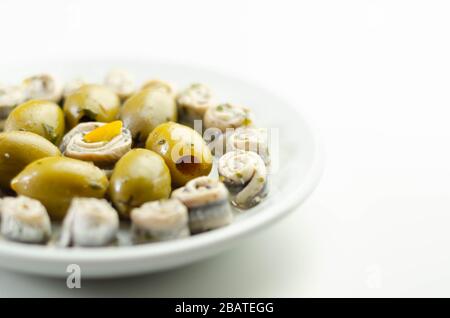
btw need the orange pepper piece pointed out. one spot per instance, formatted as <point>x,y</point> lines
<point>104,133</point>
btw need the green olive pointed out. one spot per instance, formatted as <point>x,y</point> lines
<point>40,117</point>
<point>184,151</point>
<point>158,84</point>
<point>91,103</point>
<point>55,181</point>
<point>138,177</point>
<point>18,149</point>
<point>145,110</point>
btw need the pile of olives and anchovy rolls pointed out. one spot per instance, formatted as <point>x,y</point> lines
<point>87,155</point>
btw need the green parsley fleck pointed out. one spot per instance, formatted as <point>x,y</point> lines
<point>50,133</point>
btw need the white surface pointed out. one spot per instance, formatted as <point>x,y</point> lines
<point>375,77</point>
<point>297,150</point>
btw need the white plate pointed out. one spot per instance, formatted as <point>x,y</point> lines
<point>295,179</point>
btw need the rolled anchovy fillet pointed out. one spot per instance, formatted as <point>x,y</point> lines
<point>10,97</point>
<point>250,139</point>
<point>24,220</point>
<point>160,221</point>
<point>89,222</point>
<point>193,102</point>
<point>43,86</point>
<point>72,86</point>
<point>121,82</point>
<point>158,85</point>
<point>225,116</point>
<point>207,201</point>
<point>102,153</point>
<point>245,175</point>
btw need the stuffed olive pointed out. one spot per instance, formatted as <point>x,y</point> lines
<point>138,177</point>
<point>40,117</point>
<point>91,103</point>
<point>55,181</point>
<point>145,110</point>
<point>184,151</point>
<point>18,149</point>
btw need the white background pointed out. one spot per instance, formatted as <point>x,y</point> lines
<point>374,77</point>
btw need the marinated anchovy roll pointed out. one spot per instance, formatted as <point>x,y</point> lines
<point>121,82</point>
<point>10,97</point>
<point>250,139</point>
<point>43,86</point>
<point>245,175</point>
<point>225,116</point>
<point>24,220</point>
<point>101,143</point>
<point>89,222</point>
<point>72,86</point>
<point>193,102</point>
<point>207,201</point>
<point>160,221</point>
